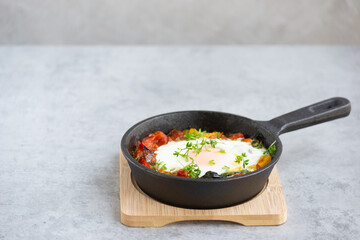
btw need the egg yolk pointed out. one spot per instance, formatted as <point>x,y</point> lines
<point>205,156</point>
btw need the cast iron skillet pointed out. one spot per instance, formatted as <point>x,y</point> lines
<point>222,192</point>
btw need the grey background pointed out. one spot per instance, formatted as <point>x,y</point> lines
<point>180,22</point>
<point>64,110</point>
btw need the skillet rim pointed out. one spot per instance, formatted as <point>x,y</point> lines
<point>163,176</point>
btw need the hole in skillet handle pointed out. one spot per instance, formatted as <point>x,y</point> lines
<point>325,106</point>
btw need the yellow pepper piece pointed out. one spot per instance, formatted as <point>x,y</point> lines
<point>263,161</point>
<point>252,167</point>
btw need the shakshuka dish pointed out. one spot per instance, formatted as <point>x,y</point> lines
<point>194,153</point>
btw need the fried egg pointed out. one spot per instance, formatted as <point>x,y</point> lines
<point>219,159</point>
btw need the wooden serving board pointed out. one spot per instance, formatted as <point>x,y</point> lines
<point>140,210</point>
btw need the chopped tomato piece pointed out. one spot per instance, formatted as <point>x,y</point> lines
<point>235,136</point>
<point>182,173</point>
<point>246,140</point>
<point>139,151</point>
<point>155,140</point>
<point>144,162</point>
<point>176,135</point>
<point>223,137</point>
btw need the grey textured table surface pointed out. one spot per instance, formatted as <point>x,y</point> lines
<point>63,111</point>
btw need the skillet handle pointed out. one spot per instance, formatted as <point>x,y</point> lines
<point>320,112</point>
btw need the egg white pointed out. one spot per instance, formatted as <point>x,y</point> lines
<point>232,148</point>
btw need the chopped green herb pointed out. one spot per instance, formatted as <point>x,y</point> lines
<point>225,168</point>
<point>184,155</point>
<point>213,143</point>
<point>245,163</point>
<point>256,143</point>
<point>194,135</point>
<point>211,162</point>
<point>271,150</point>
<point>242,159</point>
<point>192,170</point>
<point>160,165</point>
<point>196,147</point>
<point>222,151</point>
<point>201,133</point>
<point>191,136</point>
<point>217,135</point>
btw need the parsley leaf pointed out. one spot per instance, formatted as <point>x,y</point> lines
<point>225,168</point>
<point>256,143</point>
<point>191,136</point>
<point>222,151</point>
<point>192,170</point>
<point>217,135</point>
<point>201,133</point>
<point>160,165</point>
<point>213,143</point>
<point>242,159</point>
<point>271,150</point>
<point>245,163</point>
<point>239,159</point>
<point>211,163</point>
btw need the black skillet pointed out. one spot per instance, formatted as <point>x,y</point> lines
<point>220,192</point>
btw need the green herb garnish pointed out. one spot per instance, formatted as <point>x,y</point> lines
<point>271,150</point>
<point>213,143</point>
<point>225,168</point>
<point>196,147</point>
<point>186,150</point>
<point>242,159</point>
<point>192,170</point>
<point>191,136</point>
<point>245,163</point>
<point>256,143</point>
<point>222,151</point>
<point>211,162</point>
<point>160,165</point>
<point>194,135</point>
<point>217,135</point>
